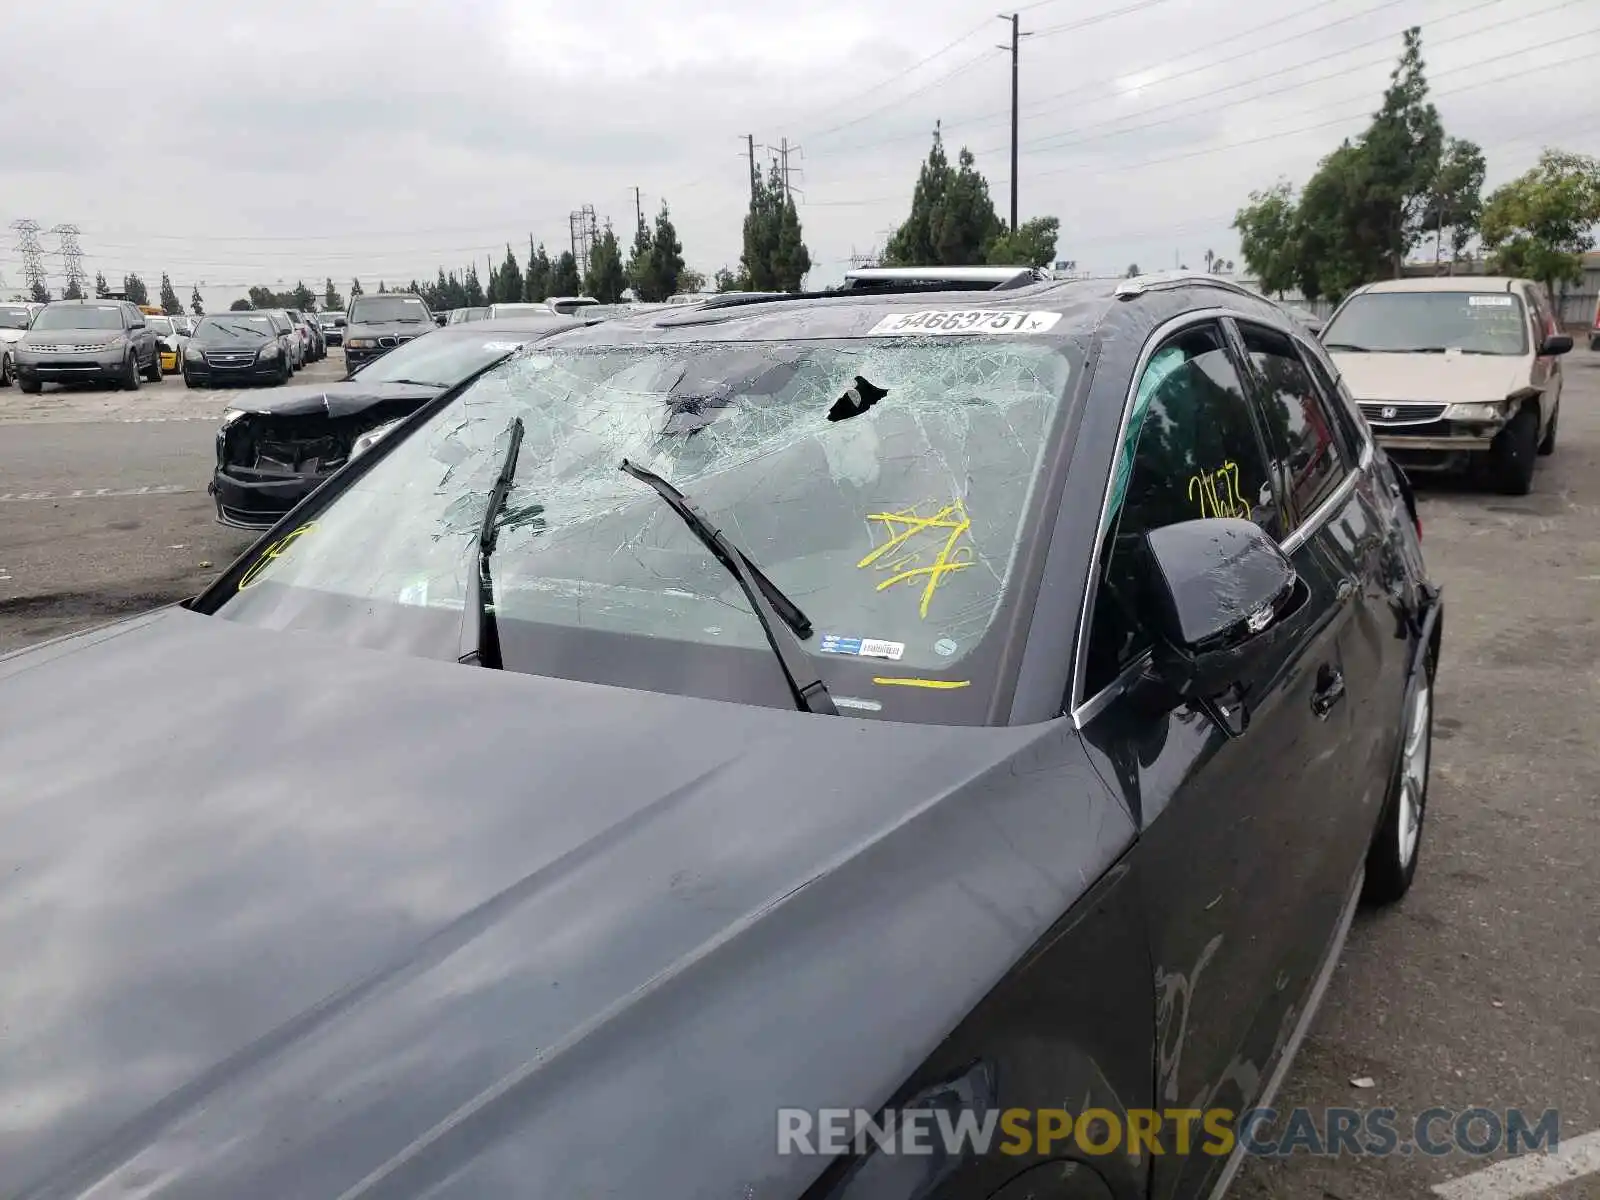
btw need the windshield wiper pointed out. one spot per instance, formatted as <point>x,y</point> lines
<point>481,646</point>
<point>1346,346</point>
<point>781,619</point>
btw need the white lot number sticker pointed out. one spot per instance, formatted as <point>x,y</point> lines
<point>1489,301</point>
<point>964,320</point>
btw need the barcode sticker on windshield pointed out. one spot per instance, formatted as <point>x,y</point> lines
<point>833,643</point>
<point>936,322</point>
<point>1492,301</point>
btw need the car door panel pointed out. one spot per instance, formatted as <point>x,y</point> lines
<point>1229,863</point>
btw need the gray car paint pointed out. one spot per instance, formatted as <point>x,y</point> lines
<point>483,932</point>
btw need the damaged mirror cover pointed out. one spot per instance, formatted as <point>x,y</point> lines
<point>1215,590</point>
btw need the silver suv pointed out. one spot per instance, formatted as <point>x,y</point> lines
<point>88,341</point>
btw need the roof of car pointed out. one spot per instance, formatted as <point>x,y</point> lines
<point>1081,304</point>
<point>1445,283</point>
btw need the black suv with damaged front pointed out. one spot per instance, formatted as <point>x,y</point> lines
<point>236,347</point>
<point>377,324</point>
<point>274,452</point>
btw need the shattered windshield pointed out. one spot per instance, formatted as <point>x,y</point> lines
<point>881,486</point>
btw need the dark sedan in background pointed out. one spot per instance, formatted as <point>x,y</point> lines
<point>237,347</point>
<point>273,452</point>
<point>954,702</point>
<point>332,327</point>
<point>377,324</point>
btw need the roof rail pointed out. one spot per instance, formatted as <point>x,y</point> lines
<point>984,279</point>
<point>1138,285</point>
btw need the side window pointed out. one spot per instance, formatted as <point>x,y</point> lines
<point>1298,426</point>
<point>1347,417</point>
<point>1191,451</point>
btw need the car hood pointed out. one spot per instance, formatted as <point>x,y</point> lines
<point>335,399</point>
<point>390,328</point>
<point>1441,378</point>
<point>315,920</point>
<point>82,337</point>
<point>12,335</point>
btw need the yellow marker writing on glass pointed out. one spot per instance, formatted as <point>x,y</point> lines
<point>940,685</point>
<point>907,524</point>
<point>273,551</point>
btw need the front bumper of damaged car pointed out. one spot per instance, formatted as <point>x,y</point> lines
<point>267,463</point>
<point>1447,439</point>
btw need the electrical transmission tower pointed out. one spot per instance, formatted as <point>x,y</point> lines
<point>780,155</point>
<point>71,256</point>
<point>585,229</point>
<point>33,272</point>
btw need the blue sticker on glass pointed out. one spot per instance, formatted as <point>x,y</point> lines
<point>833,643</point>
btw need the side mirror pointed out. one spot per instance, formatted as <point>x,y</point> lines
<point>1556,343</point>
<point>1218,592</point>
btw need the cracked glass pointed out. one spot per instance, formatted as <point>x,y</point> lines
<point>881,485</point>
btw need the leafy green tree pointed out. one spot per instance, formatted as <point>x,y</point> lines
<point>331,300</point>
<point>507,281</point>
<point>1342,237</point>
<point>1032,245</point>
<point>196,305</point>
<point>355,288</point>
<point>40,294</point>
<point>473,289</point>
<point>135,290</point>
<point>1403,148</point>
<point>536,282</point>
<point>72,291</point>
<point>102,289</point>
<point>639,259</point>
<point>691,282</point>
<point>1539,225</point>
<point>240,306</point>
<point>1133,269</point>
<point>564,279</point>
<point>775,257</point>
<point>606,279</point>
<point>382,287</point>
<point>952,220</point>
<point>726,281</point>
<point>305,300</point>
<point>170,304</point>
<point>663,266</point>
<point>1269,238</point>
<point>1456,201</point>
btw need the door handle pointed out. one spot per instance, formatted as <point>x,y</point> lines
<point>1346,589</point>
<point>1330,690</point>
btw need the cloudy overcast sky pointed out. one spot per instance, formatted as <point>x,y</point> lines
<point>234,144</point>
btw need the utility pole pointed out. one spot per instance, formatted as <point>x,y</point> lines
<point>71,255</point>
<point>750,149</point>
<point>784,150</point>
<point>1016,41</point>
<point>638,209</point>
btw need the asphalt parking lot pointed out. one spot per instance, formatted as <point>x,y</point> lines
<point>1481,989</point>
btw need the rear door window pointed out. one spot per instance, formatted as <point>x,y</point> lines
<point>1300,430</point>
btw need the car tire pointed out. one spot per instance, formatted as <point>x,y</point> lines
<point>188,380</point>
<point>31,386</point>
<point>1547,446</point>
<point>6,372</point>
<point>285,373</point>
<point>1397,844</point>
<point>1512,457</point>
<point>155,374</point>
<point>131,378</point>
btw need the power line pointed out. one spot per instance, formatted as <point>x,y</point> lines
<point>983,56</point>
